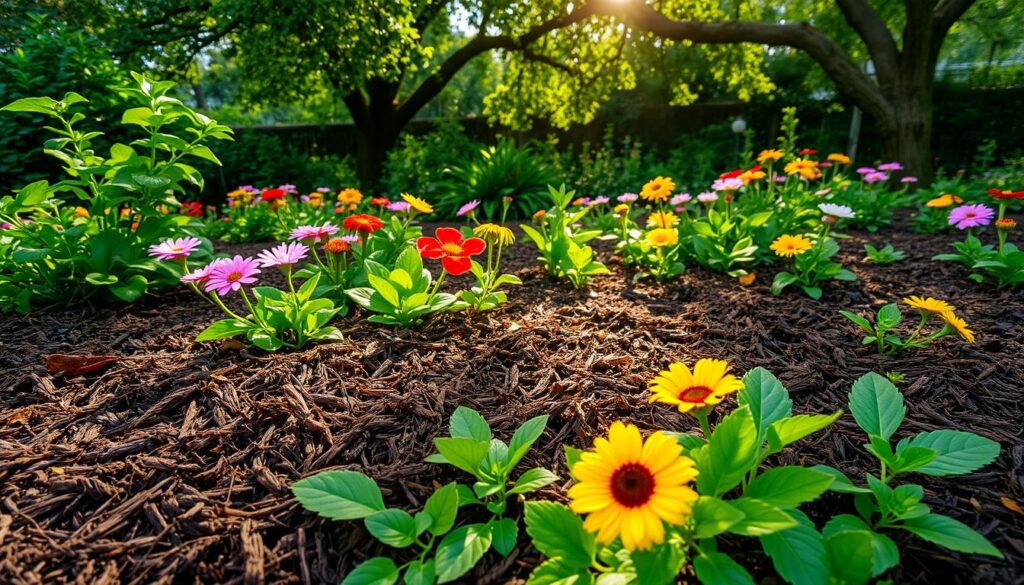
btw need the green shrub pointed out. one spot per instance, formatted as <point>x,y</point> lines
<point>418,162</point>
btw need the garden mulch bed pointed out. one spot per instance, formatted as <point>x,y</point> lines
<point>173,463</point>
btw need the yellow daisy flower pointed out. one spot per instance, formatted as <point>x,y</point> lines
<point>350,197</point>
<point>787,245</point>
<point>944,200</point>
<point>807,169</point>
<point>957,324</point>
<point>839,158</point>
<point>417,204</point>
<point>706,386</point>
<point>495,234</point>
<point>749,177</point>
<point>629,487</point>
<point>81,212</point>
<point>929,305</point>
<point>662,237</point>
<point>621,210</point>
<point>770,155</point>
<point>658,189</point>
<point>662,219</point>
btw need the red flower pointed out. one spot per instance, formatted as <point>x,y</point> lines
<point>808,152</point>
<point>1006,194</point>
<point>825,165</point>
<point>451,249</point>
<point>362,223</point>
<point>379,202</point>
<point>271,194</point>
<point>192,208</point>
<point>731,174</point>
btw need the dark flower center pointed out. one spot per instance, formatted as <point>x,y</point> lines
<point>632,485</point>
<point>696,394</point>
<point>234,276</point>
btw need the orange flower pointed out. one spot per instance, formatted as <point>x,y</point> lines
<point>362,223</point>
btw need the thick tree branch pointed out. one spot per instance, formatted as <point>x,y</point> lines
<point>876,36</point>
<point>947,13</point>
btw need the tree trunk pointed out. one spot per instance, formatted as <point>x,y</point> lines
<point>375,137</point>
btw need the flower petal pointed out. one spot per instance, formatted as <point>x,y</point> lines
<point>456,265</point>
<point>447,235</point>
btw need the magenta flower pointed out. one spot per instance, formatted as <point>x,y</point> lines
<point>250,188</point>
<point>865,170</point>
<point>465,208</point>
<point>969,216</point>
<point>780,179</point>
<point>599,200</point>
<point>283,255</point>
<point>398,206</point>
<point>707,197</point>
<point>289,188</point>
<point>627,197</point>
<point>174,249</point>
<point>323,189</point>
<point>5,226</point>
<point>876,177</point>
<point>230,275</point>
<point>201,275</point>
<point>314,232</point>
<point>351,238</point>
<point>908,180</point>
<point>680,199</point>
<point>890,167</point>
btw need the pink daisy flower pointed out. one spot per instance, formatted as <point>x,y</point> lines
<point>627,197</point>
<point>908,180</point>
<point>599,200</point>
<point>680,199</point>
<point>707,197</point>
<point>201,275</point>
<point>174,249</point>
<point>876,177</point>
<point>231,274</point>
<point>969,216</point>
<point>729,184</point>
<point>398,206</point>
<point>890,167</point>
<point>467,208</point>
<point>314,232</point>
<point>865,170</point>
<point>283,255</point>
<point>323,189</point>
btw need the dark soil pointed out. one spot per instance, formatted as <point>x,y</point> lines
<point>173,465</point>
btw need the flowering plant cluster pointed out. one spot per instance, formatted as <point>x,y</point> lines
<point>53,250</point>
<point>1002,264</point>
<point>883,333</point>
<point>562,246</point>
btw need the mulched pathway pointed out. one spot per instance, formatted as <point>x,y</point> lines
<point>173,465</point>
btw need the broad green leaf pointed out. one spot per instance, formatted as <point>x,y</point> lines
<point>460,550</point>
<point>842,484</point>
<point>798,553</point>
<point>766,397</point>
<point>558,532</point>
<point>339,495</point>
<point>37,105</point>
<point>850,556</point>
<point>913,458</point>
<point>713,516</point>
<point>572,456</point>
<point>759,518</point>
<point>877,405</point>
<point>730,452</point>
<point>375,571</point>
<point>557,571</point>
<point>661,564</point>
<point>442,506</point>
<point>466,454</point>
<point>467,423</point>
<point>794,428</point>
<point>959,452</point>
<point>950,533</point>
<point>223,329</point>
<point>385,290</point>
<point>889,317</point>
<point>524,438</point>
<point>884,551</point>
<point>504,534</point>
<point>789,486</point>
<point>393,527</point>
<point>532,480</point>
<point>715,568</point>
<point>418,573</point>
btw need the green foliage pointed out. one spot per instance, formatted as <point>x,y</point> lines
<point>724,242</point>
<point>884,335</point>
<point>55,252</point>
<point>501,171</point>
<point>562,247</point>
<point>402,295</point>
<point>418,163</point>
<point>883,256</point>
<point>812,268</point>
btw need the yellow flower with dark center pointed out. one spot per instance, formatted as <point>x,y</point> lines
<point>629,488</point>
<point>315,199</point>
<point>622,210</point>
<point>929,305</point>
<point>417,204</point>
<point>495,234</point>
<point>662,219</point>
<point>707,385</point>
<point>81,212</point>
<point>350,197</point>
<point>662,237</point>
<point>958,325</point>
<point>807,169</point>
<point>770,155</point>
<point>944,200</point>
<point>787,245</point>
<point>658,189</point>
<point>839,158</point>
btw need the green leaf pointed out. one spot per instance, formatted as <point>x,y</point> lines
<point>913,458</point>
<point>850,556</point>
<point>661,564</point>
<point>36,105</point>
<point>375,571</point>
<point>130,290</point>
<point>885,554</point>
<point>558,572</point>
<point>524,438</point>
<point>713,516</point>
<point>798,553</point>
<point>841,483</point>
<point>504,534</point>
<point>467,423</point>
<point>532,480</point>
<point>137,116</point>
<point>789,486</point>
<point>759,518</point>
<point>877,405</point>
<point>715,568</point>
<point>959,452</point>
<point>393,527</point>
<point>858,320</point>
<point>558,532</point>
<point>572,456</point>
<point>385,289</point>
<point>730,452</point>
<point>460,550</point>
<point>442,506</point>
<point>23,255</point>
<point>888,317</point>
<point>339,495</point>
<point>223,329</point>
<point>794,428</point>
<point>418,573</point>
<point>767,398</point>
<point>466,454</point>
<point>950,533</point>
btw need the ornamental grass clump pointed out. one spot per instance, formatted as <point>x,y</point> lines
<point>884,335</point>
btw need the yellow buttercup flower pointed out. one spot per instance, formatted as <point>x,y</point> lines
<point>662,237</point>
<point>350,197</point>
<point>957,324</point>
<point>807,169</point>
<point>417,204</point>
<point>770,155</point>
<point>707,385</point>
<point>662,219</point>
<point>495,234</point>
<point>629,488</point>
<point>787,245</point>
<point>749,177</point>
<point>622,210</point>
<point>929,305</point>
<point>944,200</point>
<point>658,189</point>
<point>839,158</point>
<point>81,212</point>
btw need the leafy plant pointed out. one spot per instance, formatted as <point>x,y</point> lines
<point>486,294</point>
<point>724,242</point>
<point>968,252</point>
<point>402,295</point>
<point>563,249</point>
<point>883,332</point>
<point>883,256</point>
<point>812,267</point>
<point>859,550</point>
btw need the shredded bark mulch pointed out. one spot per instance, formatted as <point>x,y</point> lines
<point>171,462</point>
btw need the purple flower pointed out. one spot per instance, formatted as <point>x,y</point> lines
<point>230,275</point>
<point>174,249</point>
<point>467,208</point>
<point>627,197</point>
<point>250,188</point>
<point>599,200</point>
<point>283,255</point>
<point>5,226</point>
<point>323,189</point>
<point>780,179</point>
<point>969,216</point>
<point>201,275</point>
<point>908,180</point>
<point>865,170</point>
<point>680,199</point>
<point>314,232</point>
<point>707,197</point>
<point>730,184</point>
<point>890,167</point>
<point>351,238</point>
<point>876,177</point>
<point>289,188</point>
<point>398,206</point>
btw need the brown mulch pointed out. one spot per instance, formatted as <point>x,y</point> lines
<point>173,463</point>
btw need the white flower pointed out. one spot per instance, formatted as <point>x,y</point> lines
<point>840,211</point>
